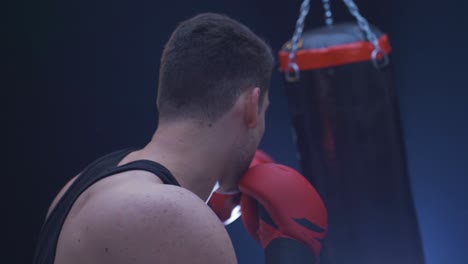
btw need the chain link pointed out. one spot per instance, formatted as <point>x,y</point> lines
<point>328,12</point>
<point>379,57</point>
<point>292,71</point>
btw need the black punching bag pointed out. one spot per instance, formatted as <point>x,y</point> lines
<point>347,125</point>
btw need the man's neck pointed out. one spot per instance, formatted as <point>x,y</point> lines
<point>196,156</point>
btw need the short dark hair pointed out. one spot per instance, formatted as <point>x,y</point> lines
<point>207,63</point>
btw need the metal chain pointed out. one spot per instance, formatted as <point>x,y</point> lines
<point>328,12</point>
<point>292,71</point>
<point>379,57</point>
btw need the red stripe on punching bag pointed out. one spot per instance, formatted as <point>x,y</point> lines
<point>310,59</point>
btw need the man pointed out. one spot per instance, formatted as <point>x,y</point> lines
<point>148,205</point>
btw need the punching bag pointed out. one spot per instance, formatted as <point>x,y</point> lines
<point>345,113</point>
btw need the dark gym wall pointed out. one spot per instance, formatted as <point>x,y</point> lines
<point>431,59</point>
<point>81,80</point>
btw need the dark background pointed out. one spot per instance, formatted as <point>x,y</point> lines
<point>80,80</point>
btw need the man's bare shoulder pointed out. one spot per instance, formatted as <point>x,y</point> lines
<point>154,223</point>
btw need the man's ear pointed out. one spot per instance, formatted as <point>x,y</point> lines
<point>252,107</point>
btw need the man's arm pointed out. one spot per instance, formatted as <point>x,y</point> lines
<point>162,224</point>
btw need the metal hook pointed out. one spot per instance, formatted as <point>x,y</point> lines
<point>292,72</point>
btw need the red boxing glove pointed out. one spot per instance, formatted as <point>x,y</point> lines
<point>278,202</point>
<point>226,204</point>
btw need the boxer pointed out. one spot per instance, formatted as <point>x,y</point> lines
<point>148,205</point>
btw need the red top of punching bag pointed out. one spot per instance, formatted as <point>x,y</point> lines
<point>325,48</point>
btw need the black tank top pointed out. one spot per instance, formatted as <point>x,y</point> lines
<point>99,169</point>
